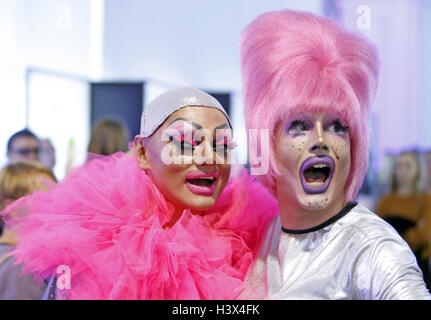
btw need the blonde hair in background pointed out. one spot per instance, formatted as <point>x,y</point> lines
<point>418,178</point>
<point>108,136</point>
<point>23,178</point>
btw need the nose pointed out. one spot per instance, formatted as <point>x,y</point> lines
<point>319,144</point>
<point>319,147</point>
<point>204,156</point>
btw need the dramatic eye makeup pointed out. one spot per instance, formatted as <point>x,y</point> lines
<point>224,144</point>
<point>183,142</point>
<point>298,127</point>
<point>337,127</point>
<point>184,136</point>
<point>181,133</point>
<point>223,140</point>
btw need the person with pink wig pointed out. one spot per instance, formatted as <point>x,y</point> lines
<point>310,84</point>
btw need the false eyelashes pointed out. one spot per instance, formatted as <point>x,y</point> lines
<point>299,127</point>
<point>299,124</point>
<point>184,142</point>
<point>338,126</point>
<point>188,143</point>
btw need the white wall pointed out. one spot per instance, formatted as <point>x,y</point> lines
<point>12,77</point>
<point>402,110</point>
<point>54,35</point>
<point>190,42</point>
<point>58,109</point>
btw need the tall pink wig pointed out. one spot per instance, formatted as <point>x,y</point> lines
<point>294,62</point>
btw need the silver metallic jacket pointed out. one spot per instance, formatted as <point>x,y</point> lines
<point>358,256</point>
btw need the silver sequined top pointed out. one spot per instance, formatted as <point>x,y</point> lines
<point>358,256</point>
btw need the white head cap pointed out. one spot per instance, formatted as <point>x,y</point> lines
<point>158,110</point>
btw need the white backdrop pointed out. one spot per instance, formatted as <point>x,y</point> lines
<point>59,110</point>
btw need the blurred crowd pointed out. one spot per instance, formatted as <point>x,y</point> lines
<point>31,160</point>
<point>403,198</point>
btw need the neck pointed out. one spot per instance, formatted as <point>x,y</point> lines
<point>295,217</point>
<point>406,190</point>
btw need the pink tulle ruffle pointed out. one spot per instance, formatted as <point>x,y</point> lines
<point>105,223</point>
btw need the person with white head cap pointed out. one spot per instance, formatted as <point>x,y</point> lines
<point>164,222</point>
<point>176,119</point>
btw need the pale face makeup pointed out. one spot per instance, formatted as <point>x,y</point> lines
<point>313,157</point>
<point>188,184</point>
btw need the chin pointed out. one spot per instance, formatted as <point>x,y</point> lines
<point>200,203</point>
<point>316,202</point>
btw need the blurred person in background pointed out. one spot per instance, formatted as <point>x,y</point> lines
<point>18,180</point>
<point>47,153</point>
<point>108,136</point>
<point>23,145</point>
<point>408,209</point>
<point>385,177</point>
<point>427,165</point>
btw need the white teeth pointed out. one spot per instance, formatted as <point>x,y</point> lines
<point>320,165</point>
<point>204,178</point>
<point>315,184</point>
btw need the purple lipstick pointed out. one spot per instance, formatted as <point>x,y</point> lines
<point>316,174</point>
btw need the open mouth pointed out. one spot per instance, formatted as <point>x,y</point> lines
<point>202,183</point>
<point>316,174</point>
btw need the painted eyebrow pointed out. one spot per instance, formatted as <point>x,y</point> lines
<point>336,119</point>
<point>191,122</point>
<point>224,125</point>
<point>197,126</point>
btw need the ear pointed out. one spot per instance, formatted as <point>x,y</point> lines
<point>141,153</point>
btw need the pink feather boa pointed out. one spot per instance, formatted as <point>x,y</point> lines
<point>105,222</point>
